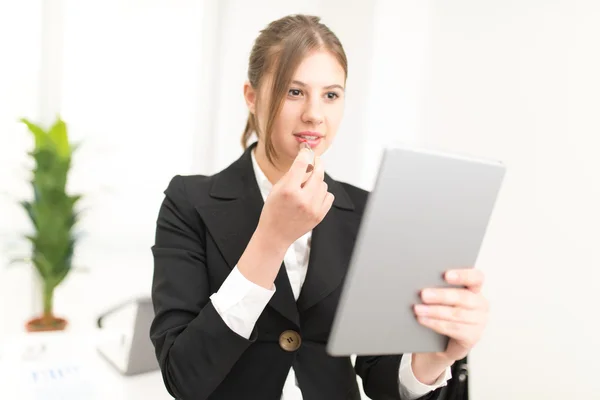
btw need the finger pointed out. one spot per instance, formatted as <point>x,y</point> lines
<point>470,277</point>
<point>455,330</point>
<point>297,171</point>
<point>327,203</point>
<point>454,297</point>
<point>306,176</point>
<point>316,178</point>
<point>455,314</point>
<point>320,193</point>
<point>310,169</point>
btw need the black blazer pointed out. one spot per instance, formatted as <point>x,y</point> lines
<point>203,227</point>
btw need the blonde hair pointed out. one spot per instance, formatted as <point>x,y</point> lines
<point>280,48</point>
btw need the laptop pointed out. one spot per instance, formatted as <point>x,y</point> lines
<point>428,212</point>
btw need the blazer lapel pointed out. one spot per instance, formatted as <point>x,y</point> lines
<point>331,246</point>
<point>231,217</point>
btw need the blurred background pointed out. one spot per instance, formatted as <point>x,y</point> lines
<point>153,88</point>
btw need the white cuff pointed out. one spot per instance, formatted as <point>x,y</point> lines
<point>240,302</point>
<point>410,387</point>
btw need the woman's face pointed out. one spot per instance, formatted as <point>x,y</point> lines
<point>312,108</point>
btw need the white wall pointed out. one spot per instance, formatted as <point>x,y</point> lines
<point>519,81</point>
<point>131,95</point>
<point>124,75</point>
<point>19,96</point>
<point>400,67</point>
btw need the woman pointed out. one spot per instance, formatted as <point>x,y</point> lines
<point>249,262</point>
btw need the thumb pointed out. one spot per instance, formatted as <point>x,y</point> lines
<point>297,171</point>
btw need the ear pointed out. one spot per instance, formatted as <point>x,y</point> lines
<point>250,97</point>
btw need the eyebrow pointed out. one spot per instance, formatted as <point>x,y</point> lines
<point>325,87</point>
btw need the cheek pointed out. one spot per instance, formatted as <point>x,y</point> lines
<point>287,120</point>
<point>334,118</point>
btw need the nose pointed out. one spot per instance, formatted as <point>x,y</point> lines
<point>313,113</point>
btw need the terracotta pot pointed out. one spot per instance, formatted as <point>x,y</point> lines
<point>42,324</point>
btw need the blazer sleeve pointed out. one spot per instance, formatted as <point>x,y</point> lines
<point>194,347</point>
<point>380,377</point>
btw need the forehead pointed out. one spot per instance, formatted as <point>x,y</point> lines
<point>320,68</point>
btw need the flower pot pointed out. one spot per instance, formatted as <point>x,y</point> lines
<point>43,324</point>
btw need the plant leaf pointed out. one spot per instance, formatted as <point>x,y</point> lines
<point>75,146</point>
<point>19,260</point>
<point>74,199</point>
<point>29,208</point>
<point>42,265</point>
<point>58,135</point>
<point>41,137</point>
<point>56,280</point>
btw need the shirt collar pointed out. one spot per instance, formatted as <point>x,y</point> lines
<point>261,179</point>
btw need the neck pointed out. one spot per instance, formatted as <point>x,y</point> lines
<point>273,172</point>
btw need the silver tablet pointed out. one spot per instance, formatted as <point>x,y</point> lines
<point>427,213</point>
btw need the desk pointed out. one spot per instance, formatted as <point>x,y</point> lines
<point>67,366</point>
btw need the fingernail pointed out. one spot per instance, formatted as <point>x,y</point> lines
<point>428,294</point>
<point>452,276</point>
<point>304,145</point>
<point>421,309</point>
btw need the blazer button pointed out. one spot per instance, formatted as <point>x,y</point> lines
<point>290,340</point>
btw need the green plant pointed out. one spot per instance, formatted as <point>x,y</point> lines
<point>52,210</point>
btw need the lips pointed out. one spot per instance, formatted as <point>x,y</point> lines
<point>311,138</point>
<point>308,135</point>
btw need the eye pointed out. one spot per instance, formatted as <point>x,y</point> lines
<point>295,92</point>
<point>332,96</point>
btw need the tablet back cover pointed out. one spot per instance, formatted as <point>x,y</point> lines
<point>428,213</point>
